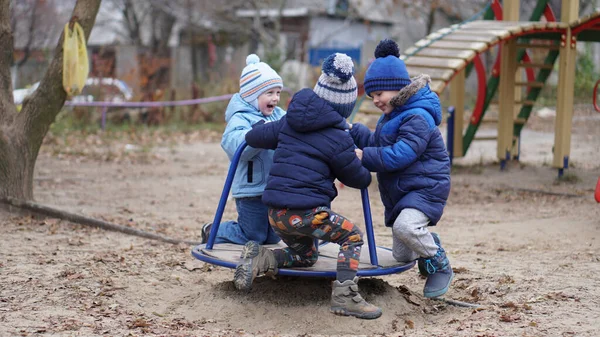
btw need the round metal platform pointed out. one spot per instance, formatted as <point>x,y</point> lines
<point>228,255</point>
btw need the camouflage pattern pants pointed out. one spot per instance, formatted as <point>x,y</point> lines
<point>299,229</point>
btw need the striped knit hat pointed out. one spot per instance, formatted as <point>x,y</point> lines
<point>336,85</point>
<point>388,72</point>
<point>257,77</point>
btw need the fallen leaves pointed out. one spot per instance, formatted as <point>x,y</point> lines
<point>120,146</point>
<point>510,318</point>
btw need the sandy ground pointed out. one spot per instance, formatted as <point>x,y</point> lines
<point>523,245</point>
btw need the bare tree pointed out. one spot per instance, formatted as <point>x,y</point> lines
<point>33,23</point>
<point>21,134</point>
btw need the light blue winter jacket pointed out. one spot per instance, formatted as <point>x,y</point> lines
<point>252,172</point>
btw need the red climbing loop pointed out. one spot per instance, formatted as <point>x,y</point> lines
<point>597,194</point>
<point>595,99</point>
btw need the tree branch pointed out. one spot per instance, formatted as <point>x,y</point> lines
<point>83,220</point>
<point>258,27</point>
<point>30,34</point>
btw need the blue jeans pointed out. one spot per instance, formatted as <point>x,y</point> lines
<point>252,224</point>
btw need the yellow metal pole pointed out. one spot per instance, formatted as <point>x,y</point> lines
<point>566,84</point>
<point>506,88</point>
<point>457,99</point>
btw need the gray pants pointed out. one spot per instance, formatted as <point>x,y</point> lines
<point>411,238</point>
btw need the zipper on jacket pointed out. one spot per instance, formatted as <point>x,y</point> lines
<point>378,129</point>
<point>250,169</point>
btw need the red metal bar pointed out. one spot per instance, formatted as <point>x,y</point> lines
<point>481,90</point>
<point>497,8</point>
<point>585,26</point>
<point>549,14</point>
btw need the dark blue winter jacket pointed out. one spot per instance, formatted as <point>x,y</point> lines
<point>312,149</point>
<point>408,153</point>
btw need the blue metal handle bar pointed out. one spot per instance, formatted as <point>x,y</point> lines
<point>227,188</point>
<point>364,194</point>
<point>228,181</point>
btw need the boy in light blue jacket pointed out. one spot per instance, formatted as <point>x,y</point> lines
<point>260,89</point>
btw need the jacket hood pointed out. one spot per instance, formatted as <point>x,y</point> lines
<point>418,95</point>
<point>237,105</point>
<point>308,112</point>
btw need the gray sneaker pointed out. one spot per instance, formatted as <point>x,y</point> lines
<point>254,261</point>
<point>346,301</point>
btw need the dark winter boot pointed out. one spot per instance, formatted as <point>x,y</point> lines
<point>254,260</point>
<point>205,232</point>
<point>438,271</point>
<point>346,301</point>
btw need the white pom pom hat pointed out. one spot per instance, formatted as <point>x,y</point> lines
<point>257,77</point>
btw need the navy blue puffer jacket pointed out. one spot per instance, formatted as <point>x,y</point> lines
<point>312,149</point>
<point>408,153</point>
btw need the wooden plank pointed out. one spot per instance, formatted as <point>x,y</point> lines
<point>492,23</point>
<point>434,35</point>
<point>407,52</point>
<point>437,86</point>
<point>471,37</point>
<point>466,55</point>
<point>549,25</point>
<point>476,46</point>
<point>495,120</point>
<point>485,138</point>
<point>441,63</point>
<point>532,84</point>
<point>434,73</point>
<point>445,30</point>
<point>525,102</point>
<point>480,23</point>
<point>423,43</point>
<point>536,65</point>
<point>514,26</point>
<point>520,121</point>
<point>500,33</point>
<point>537,46</point>
<point>559,25</point>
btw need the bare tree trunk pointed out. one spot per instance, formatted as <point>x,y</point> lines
<point>21,133</point>
<point>16,167</point>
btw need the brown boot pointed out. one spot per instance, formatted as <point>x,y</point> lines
<point>346,301</point>
<point>254,260</point>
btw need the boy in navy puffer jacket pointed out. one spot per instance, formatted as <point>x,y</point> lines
<point>412,164</point>
<point>312,149</point>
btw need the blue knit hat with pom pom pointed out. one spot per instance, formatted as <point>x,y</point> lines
<point>387,72</point>
<point>257,77</point>
<point>337,85</point>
